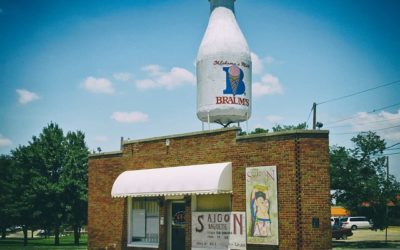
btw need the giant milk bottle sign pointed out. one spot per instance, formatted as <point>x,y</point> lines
<point>223,68</point>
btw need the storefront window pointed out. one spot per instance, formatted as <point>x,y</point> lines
<point>144,222</point>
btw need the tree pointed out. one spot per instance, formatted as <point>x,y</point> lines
<point>74,180</point>
<point>277,128</point>
<point>48,161</point>
<point>44,184</point>
<point>7,188</point>
<point>359,176</point>
<point>25,195</point>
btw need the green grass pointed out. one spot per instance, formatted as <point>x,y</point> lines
<point>66,242</point>
<point>365,244</point>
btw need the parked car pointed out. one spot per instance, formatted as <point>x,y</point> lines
<point>339,232</point>
<point>334,221</point>
<point>13,229</point>
<point>355,222</point>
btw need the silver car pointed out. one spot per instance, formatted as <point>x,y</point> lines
<point>355,222</point>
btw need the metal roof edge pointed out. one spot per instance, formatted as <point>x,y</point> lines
<point>205,132</point>
<point>284,133</point>
<point>105,154</point>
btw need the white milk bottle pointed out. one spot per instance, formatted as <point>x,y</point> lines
<point>223,68</point>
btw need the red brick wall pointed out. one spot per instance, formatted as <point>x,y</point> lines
<point>303,181</point>
<point>106,215</point>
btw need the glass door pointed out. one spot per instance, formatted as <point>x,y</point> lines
<point>177,225</point>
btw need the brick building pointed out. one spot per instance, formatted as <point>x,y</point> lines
<point>152,215</point>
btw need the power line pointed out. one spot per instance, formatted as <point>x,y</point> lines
<point>398,143</point>
<point>359,92</point>
<point>386,154</point>
<point>364,123</point>
<point>391,149</point>
<point>386,128</point>
<point>309,115</point>
<point>374,130</point>
<point>391,154</point>
<point>369,112</point>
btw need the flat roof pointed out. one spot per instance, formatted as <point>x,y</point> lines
<point>213,131</point>
<point>181,135</point>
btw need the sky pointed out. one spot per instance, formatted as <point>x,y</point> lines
<point>117,69</point>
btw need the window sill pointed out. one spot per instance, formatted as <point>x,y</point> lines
<point>143,245</point>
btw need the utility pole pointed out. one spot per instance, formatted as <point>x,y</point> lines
<point>314,124</point>
<point>387,167</point>
<point>387,211</point>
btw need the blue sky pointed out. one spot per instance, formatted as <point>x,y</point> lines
<point>126,68</point>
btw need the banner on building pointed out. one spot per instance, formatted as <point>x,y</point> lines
<point>262,205</point>
<point>219,230</point>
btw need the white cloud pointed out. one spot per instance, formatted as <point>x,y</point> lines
<point>269,60</point>
<point>26,96</point>
<point>272,60</point>
<point>4,142</point>
<point>366,121</point>
<point>269,85</point>
<point>153,69</point>
<point>122,76</point>
<point>132,117</point>
<point>274,118</point>
<point>257,125</point>
<point>146,84</point>
<point>257,64</point>
<point>98,85</point>
<point>176,77</point>
<point>159,78</point>
<point>101,138</point>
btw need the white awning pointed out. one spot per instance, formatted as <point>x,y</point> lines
<point>195,179</point>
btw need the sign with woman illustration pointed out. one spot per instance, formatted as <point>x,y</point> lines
<point>262,205</point>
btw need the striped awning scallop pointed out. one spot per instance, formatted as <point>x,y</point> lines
<point>183,180</point>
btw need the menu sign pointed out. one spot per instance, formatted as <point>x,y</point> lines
<point>219,230</point>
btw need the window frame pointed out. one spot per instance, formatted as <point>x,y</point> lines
<point>129,230</point>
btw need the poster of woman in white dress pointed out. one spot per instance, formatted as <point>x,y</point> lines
<point>262,205</point>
